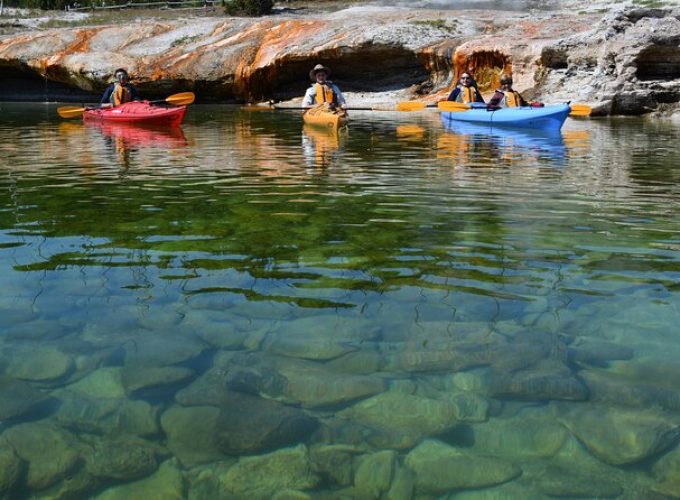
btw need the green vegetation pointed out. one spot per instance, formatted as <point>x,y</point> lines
<point>183,40</point>
<point>249,7</point>
<point>440,24</point>
<point>652,4</point>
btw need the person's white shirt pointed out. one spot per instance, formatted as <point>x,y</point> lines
<point>310,95</point>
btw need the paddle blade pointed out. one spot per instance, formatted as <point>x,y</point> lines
<point>70,111</point>
<point>580,110</point>
<point>453,106</point>
<point>410,106</point>
<point>183,98</point>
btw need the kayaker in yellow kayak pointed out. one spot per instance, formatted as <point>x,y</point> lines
<point>506,97</point>
<point>466,91</point>
<point>323,91</point>
<point>119,92</point>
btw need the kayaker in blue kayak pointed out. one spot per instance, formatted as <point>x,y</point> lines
<point>323,90</point>
<point>119,92</point>
<point>466,91</point>
<point>506,97</point>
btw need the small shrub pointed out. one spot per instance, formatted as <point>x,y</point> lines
<point>249,7</point>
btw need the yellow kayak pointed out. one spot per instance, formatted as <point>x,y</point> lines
<point>320,116</point>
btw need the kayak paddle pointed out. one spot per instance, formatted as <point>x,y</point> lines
<point>413,106</point>
<point>453,106</point>
<point>580,110</point>
<point>71,111</point>
<point>183,98</point>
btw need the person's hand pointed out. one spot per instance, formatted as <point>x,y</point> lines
<point>537,105</point>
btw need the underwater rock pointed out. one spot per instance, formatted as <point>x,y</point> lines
<point>597,353</point>
<point>362,362</point>
<point>333,462</point>
<point>302,338</point>
<point>374,473</point>
<point>433,356</point>
<point>667,474</point>
<point>33,362</point>
<point>605,386</point>
<point>211,327</point>
<point>536,385</point>
<point>122,458</point>
<point>51,452</point>
<point>440,468</point>
<point>167,483</point>
<point>104,383</point>
<point>145,379</point>
<point>106,415</point>
<point>10,467</point>
<point>293,381</point>
<point>622,436</point>
<point>259,477</point>
<point>291,495</point>
<point>306,348</point>
<point>568,481</point>
<point>249,424</point>
<point>162,350</point>
<point>209,389</point>
<point>17,398</point>
<point>402,485</point>
<point>527,435</point>
<point>469,407</point>
<point>190,442</point>
<point>397,412</point>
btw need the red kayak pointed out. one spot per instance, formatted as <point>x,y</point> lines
<point>138,112</point>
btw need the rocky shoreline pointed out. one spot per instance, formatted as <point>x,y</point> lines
<point>624,61</point>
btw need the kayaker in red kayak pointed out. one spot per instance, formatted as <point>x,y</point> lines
<point>466,91</point>
<point>506,97</point>
<point>323,90</point>
<point>119,92</point>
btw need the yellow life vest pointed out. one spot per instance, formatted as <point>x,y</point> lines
<point>466,94</point>
<point>120,95</point>
<point>324,93</point>
<point>512,99</point>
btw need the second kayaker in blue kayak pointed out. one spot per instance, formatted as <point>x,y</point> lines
<point>119,92</point>
<point>507,97</point>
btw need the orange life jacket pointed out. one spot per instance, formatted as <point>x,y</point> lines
<point>120,95</point>
<point>324,93</point>
<point>466,94</point>
<point>512,99</point>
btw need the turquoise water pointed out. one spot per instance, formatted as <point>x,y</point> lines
<point>246,308</point>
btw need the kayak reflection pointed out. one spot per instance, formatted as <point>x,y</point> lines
<point>467,139</point>
<point>126,137</point>
<point>322,146</point>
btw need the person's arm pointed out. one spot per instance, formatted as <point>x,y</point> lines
<point>310,98</point>
<point>495,101</point>
<point>478,96</point>
<point>454,94</point>
<point>341,99</point>
<point>106,98</point>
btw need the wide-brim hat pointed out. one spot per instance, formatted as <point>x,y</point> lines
<point>316,69</point>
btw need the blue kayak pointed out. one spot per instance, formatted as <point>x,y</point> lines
<point>545,118</point>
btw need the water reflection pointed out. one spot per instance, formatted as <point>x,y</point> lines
<point>322,146</point>
<point>503,143</point>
